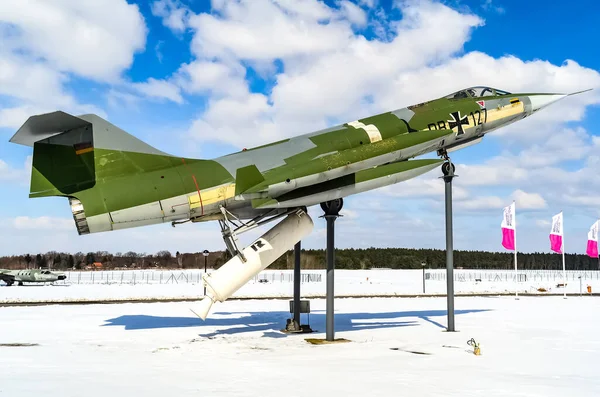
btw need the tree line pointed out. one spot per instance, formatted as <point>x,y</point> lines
<point>393,258</point>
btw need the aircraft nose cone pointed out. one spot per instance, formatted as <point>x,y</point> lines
<point>541,101</point>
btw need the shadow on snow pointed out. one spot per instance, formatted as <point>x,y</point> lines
<point>268,322</point>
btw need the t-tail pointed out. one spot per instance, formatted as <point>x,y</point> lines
<point>92,162</point>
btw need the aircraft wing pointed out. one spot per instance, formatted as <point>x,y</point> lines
<point>314,170</point>
<point>357,182</point>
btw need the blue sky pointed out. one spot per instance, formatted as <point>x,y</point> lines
<point>201,79</point>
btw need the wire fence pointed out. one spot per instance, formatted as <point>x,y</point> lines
<point>468,275</point>
<point>194,276</point>
<point>134,277</point>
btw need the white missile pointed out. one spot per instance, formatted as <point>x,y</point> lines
<point>225,281</point>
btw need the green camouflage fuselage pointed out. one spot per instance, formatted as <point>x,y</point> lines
<point>116,181</point>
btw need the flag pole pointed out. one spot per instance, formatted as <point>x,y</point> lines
<point>563,257</point>
<point>516,273</point>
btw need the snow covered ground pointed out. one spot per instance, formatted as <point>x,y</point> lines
<point>531,347</point>
<point>147,285</point>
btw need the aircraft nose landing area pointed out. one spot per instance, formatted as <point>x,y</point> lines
<point>534,346</point>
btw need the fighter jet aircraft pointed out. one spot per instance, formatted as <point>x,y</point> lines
<point>115,181</point>
<point>30,276</point>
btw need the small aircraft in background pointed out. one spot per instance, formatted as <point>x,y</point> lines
<point>30,276</point>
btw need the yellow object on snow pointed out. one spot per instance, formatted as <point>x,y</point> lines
<point>476,349</point>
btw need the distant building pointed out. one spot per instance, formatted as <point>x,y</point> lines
<point>94,266</point>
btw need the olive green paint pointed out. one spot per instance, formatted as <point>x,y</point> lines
<point>346,157</point>
<point>127,179</point>
<point>62,168</point>
<point>246,177</point>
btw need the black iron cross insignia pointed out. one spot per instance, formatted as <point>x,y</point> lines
<point>458,121</point>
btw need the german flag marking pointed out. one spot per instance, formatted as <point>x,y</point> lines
<point>83,147</point>
<point>86,150</point>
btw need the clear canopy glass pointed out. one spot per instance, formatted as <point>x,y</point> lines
<point>476,92</point>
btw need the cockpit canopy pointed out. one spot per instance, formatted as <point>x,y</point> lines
<point>476,92</point>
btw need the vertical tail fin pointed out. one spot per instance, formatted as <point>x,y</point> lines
<point>63,150</point>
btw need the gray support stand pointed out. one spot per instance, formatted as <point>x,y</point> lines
<point>329,326</point>
<point>297,306</point>
<point>297,283</point>
<point>448,170</point>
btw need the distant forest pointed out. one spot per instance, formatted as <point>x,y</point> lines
<point>394,258</point>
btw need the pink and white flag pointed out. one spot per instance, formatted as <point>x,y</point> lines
<point>508,227</point>
<point>592,244</point>
<point>556,233</point>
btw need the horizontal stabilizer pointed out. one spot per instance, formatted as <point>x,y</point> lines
<point>247,177</point>
<point>46,125</point>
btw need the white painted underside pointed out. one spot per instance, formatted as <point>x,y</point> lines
<point>171,209</point>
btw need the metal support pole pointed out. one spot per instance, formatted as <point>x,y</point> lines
<point>205,253</point>
<point>297,283</point>
<point>330,281</point>
<point>448,170</point>
<point>423,277</point>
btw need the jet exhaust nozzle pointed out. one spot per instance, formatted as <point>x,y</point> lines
<point>225,281</point>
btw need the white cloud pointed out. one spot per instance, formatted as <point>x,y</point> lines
<point>353,13</point>
<point>212,77</point>
<point>174,14</point>
<point>329,71</point>
<point>7,173</point>
<point>345,77</point>
<point>481,203</point>
<point>490,174</point>
<point>42,223</point>
<point>240,122</point>
<point>489,6</point>
<point>92,39</point>
<point>553,149</point>
<point>543,223</point>
<point>35,88</point>
<point>424,186</point>
<point>45,42</point>
<point>262,29</point>
<point>159,89</point>
<point>15,117</point>
<point>11,174</point>
<point>120,99</point>
<point>349,214</point>
<point>524,200</point>
<point>23,78</point>
<point>590,200</point>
